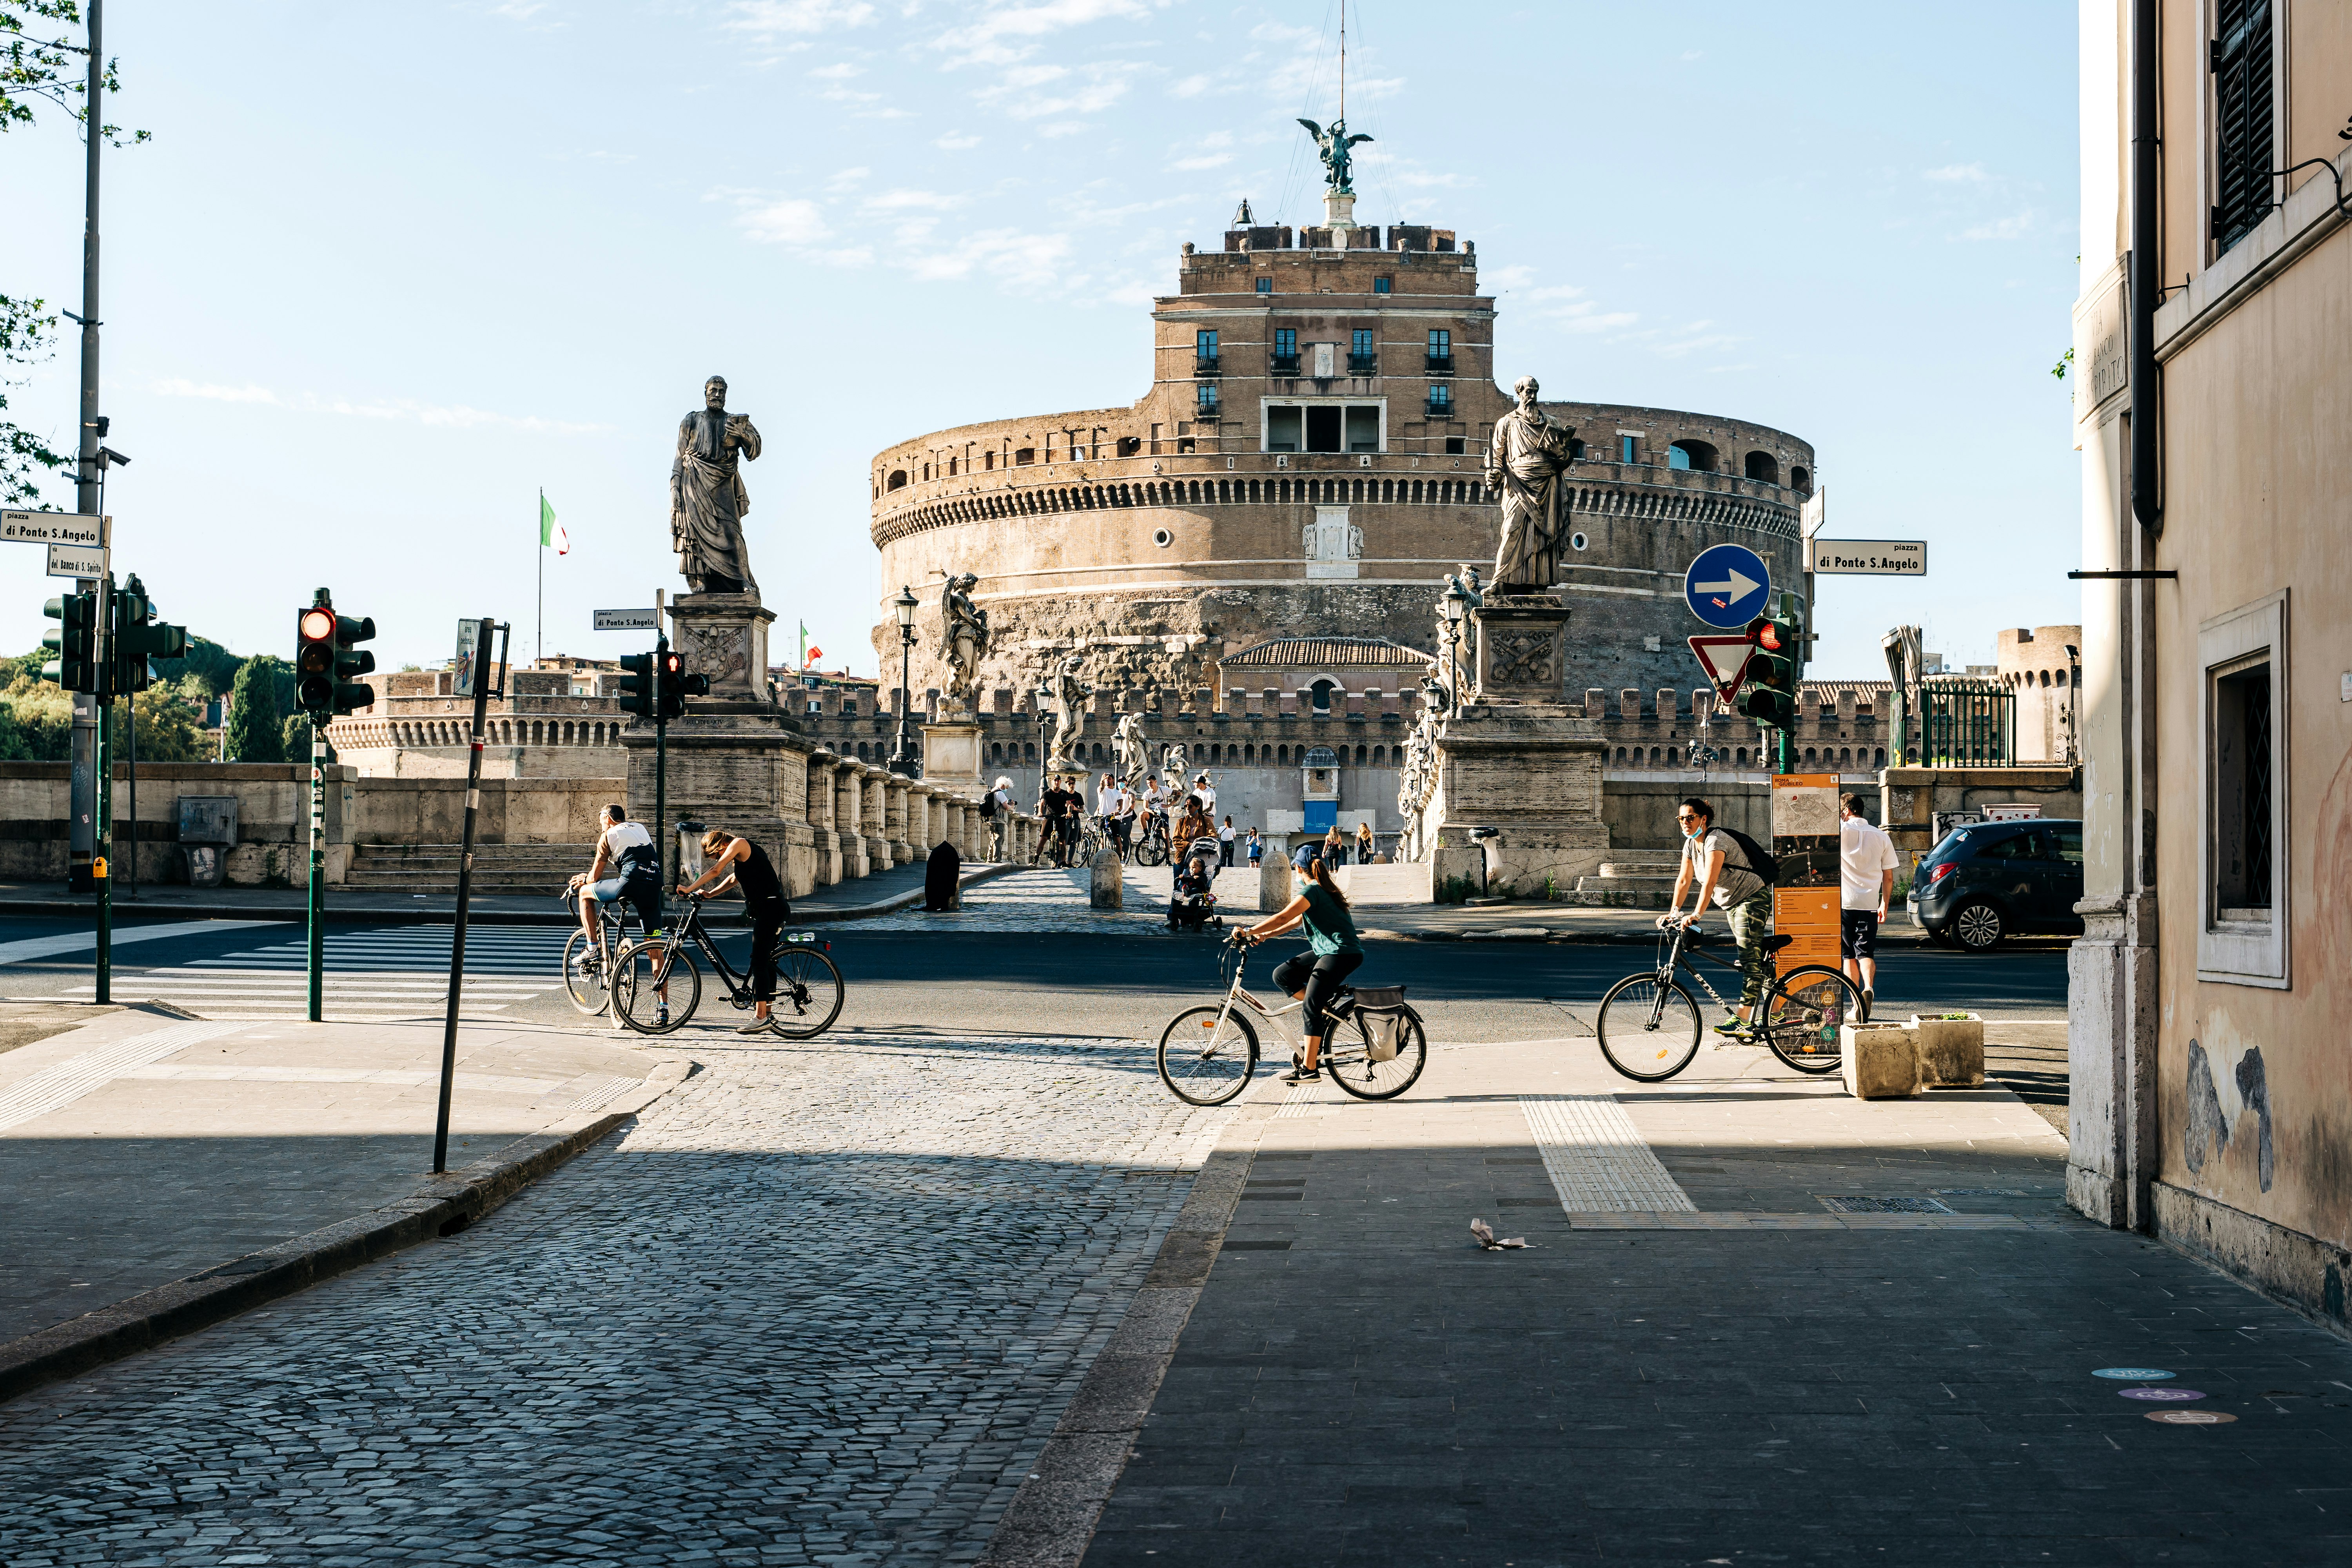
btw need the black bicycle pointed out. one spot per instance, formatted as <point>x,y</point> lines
<point>1152,839</point>
<point>1650,1027</point>
<point>656,985</point>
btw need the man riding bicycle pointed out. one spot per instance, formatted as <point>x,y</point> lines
<point>1715,860</point>
<point>627,867</point>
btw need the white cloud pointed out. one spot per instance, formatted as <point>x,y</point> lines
<point>1967,173</point>
<point>1206,160</point>
<point>956,142</point>
<point>846,179</point>
<point>786,221</point>
<point>768,17</point>
<point>1016,95</point>
<point>903,200</point>
<point>839,71</point>
<point>1008,254</point>
<point>988,40</point>
<point>1190,87</point>
<point>1693,54</point>
<point>1509,277</point>
<point>458,416</point>
<point>2009,227</point>
<point>1281,33</point>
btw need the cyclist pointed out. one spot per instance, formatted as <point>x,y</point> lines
<point>1333,953</point>
<point>1723,872</point>
<point>732,862</point>
<point>627,867</point>
<point>1119,816</point>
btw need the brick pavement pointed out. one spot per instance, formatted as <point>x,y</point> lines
<point>820,1305</point>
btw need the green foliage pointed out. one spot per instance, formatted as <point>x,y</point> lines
<point>255,731</point>
<point>208,662</point>
<point>2066,362</point>
<point>50,66</point>
<point>36,721</point>
<point>26,339</point>
<point>168,727</point>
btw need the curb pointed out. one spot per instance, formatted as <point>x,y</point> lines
<point>442,1206</point>
<point>1050,1521</point>
<point>441,914</point>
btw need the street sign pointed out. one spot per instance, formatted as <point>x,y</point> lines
<point>76,561</point>
<point>1726,585</point>
<point>1814,513</point>
<point>469,634</point>
<point>1721,660</point>
<point>1868,557</point>
<point>56,528</point>
<point>628,621</point>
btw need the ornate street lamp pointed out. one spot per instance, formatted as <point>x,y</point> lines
<point>903,761</point>
<point>1453,607</point>
<point>1044,722</point>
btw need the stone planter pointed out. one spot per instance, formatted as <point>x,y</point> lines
<point>1880,1061</point>
<point>1951,1050</point>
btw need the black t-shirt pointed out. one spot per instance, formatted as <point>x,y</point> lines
<point>1053,803</point>
<point>757,877</point>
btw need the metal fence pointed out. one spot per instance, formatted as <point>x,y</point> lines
<point>1962,724</point>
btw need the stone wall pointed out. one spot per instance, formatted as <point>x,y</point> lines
<point>512,811</point>
<point>1909,797</point>
<point>273,819</point>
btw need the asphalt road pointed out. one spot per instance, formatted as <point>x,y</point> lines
<point>1033,982</point>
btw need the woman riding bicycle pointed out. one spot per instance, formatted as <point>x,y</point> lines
<point>1334,951</point>
<point>743,864</point>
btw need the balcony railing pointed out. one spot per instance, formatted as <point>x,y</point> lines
<point>1363,365</point>
<point>1284,365</point>
<point>1440,408</point>
<point>1441,364</point>
<point>1205,365</point>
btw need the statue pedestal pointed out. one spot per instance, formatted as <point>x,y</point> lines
<point>953,756</point>
<point>1339,214</point>
<point>724,636</point>
<point>1517,758</point>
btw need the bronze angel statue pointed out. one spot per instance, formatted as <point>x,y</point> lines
<point>1332,146</point>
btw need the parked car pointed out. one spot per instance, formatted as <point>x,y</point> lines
<point>1994,879</point>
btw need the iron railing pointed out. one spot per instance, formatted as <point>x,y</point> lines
<point>1964,724</point>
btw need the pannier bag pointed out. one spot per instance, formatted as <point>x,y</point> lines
<point>1382,1010</point>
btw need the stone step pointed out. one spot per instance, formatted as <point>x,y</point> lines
<point>1596,893</point>
<point>1628,868</point>
<point>438,881</point>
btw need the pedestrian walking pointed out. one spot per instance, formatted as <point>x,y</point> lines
<point>1208,794</point>
<point>1256,849</point>
<point>1720,862</point>
<point>1364,850</point>
<point>1225,842</point>
<point>996,811</point>
<point>1866,868</point>
<point>1334,848</point>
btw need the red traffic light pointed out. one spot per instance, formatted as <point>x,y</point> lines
<point>1766,636</point>
<point>317,626</point>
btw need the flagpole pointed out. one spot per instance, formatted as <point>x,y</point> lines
<point>540,658</point>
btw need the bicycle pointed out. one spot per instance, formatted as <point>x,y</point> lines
<point>1650,1027</point>
<point>1207,1055</point>
<point>584,975</point>
<point>807,980</point>
<point>1152,840</point>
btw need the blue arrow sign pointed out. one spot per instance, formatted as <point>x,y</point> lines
<point>1727,586</point>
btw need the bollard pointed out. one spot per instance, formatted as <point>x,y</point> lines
<point>1108,889</point>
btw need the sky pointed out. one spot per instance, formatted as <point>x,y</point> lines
<point>387,271</point>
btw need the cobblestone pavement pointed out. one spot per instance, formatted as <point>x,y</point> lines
<point>822,1305</point>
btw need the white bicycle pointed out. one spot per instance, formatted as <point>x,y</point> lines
<point>1373,1049</point>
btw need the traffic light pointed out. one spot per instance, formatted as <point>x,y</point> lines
<point>139,637</point>
<point>676,685</point>
<point>74,641</point>
<point>325,662</point>
<point>1770,695</point>
<point>637,684</point>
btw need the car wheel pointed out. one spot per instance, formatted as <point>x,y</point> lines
<point>1976,927</point>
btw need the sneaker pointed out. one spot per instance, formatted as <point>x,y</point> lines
<point>1733,1026</point>
<point>1302,1075</point>
<point>1867,998</point>
<point>661,1017</point>
<point>756,1027</point>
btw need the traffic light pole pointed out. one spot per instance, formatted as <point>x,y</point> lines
<point>90,786</point>
<point>662,846</point>
<point>465,885</point>
<point>318,902</point>
<point>100,870</point>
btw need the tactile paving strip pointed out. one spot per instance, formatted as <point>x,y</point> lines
<point>1596,1160</point>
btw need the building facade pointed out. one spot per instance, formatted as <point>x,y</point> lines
<point>2213,353</point>
<point>1307,462</point>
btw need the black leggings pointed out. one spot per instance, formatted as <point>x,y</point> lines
<point>768,917</point>
<point>1320,978</point>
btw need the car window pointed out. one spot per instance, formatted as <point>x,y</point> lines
<point>2015,846</point>
<point>2070,844</point>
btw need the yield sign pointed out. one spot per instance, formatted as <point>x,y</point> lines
<point>1723,658</point>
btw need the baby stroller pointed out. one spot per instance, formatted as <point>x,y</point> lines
<point>1193,906</point>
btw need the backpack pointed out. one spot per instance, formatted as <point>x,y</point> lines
<point>988,804</point>
<point>1759,859</point>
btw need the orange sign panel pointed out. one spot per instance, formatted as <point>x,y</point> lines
<point>1805,893</point>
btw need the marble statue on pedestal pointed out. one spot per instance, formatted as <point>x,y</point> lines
<point>707,498</point>
<point>964,638</point>
<point>1524,466</point>
<point>1130,749</point>
<point>1070,696</point>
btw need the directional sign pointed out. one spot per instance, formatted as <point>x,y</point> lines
<point>628,621</point>
<point>76,561</point>
<point>1722,660</point>
<point>1868,557</point>
<point>56,528</point>
<point>1727,586</point>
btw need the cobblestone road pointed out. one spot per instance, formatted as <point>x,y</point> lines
<point>823,1305</point>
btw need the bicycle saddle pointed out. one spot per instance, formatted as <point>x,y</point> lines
<point>1775,943</point>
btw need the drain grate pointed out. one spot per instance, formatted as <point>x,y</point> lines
<point>1853,1205</point>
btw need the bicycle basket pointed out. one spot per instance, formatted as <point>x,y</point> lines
<point>1381,1009</point>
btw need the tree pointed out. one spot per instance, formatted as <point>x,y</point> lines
<point>255,734</point>
<point>44,66</point>
<point>167,727</point>
<point>207,661</point>
<point>39,726</point>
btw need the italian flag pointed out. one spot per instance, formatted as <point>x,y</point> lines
<point>551,533</point>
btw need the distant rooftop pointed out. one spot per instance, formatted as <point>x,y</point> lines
<point>1296,653</point>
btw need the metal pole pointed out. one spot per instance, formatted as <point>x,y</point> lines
<point>131,709</point>
<point>318,902</point>
<point>539,643</point>
<point>662,844</point>
<point>84,845</point>
<point>100,870</point>
<point>464,891</point>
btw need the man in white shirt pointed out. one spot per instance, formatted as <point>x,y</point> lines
<point>1117,809</point>
<point>1866,868</point>
<point>1201,788</point>
<point>627,867</point>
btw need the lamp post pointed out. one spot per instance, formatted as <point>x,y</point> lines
<point>903,761</point>
<point>1453,606</point>
<point>1044,722</point>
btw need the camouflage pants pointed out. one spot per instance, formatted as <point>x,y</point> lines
<point>1751,922</point>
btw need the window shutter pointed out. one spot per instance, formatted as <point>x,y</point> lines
<point>2242,119</point>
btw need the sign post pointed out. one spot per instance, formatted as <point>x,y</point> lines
<point>476,667</point>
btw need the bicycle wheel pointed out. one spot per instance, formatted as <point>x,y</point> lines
<point>653,981</point>
<point>1152,850</point>
<point>1805,1008</point>
<point>1203,1063</point>
<point>808,992</point>
<point>1649,1032</point>
<point>584,985</point>
<point>1346,1057</point>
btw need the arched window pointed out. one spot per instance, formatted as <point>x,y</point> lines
<point>1380,754</point>
<point>1800,480</point>
<point>1320,693</point>
<point>1029,752</point>
<point>2062,678</point>
<point>1361,755</point>
<point>1879,756</point>
<point>1810,755</point>
<point>1742,758</point>
<point>1282,755</point>
<point>897,480</point>
<point>1620,753</point>
<point>1697,456</point>
<point>1764,466</point>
